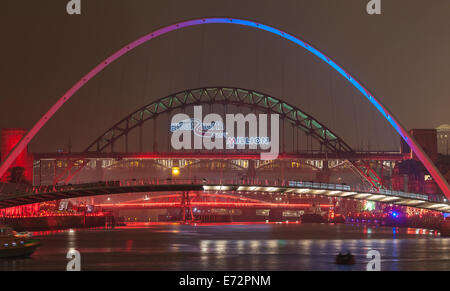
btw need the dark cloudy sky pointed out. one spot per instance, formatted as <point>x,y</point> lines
<point>403,56</point>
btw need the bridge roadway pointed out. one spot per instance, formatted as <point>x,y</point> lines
<point>10,196</point>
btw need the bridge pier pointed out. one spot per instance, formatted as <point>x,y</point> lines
<point>186,210</point>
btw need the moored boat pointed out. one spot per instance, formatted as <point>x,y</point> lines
<point>314,215</point>
<point>14,245</point>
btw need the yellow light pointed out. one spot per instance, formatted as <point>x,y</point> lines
<point>175,171</point>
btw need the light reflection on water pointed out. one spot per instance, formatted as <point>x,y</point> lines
<point>238,247</point>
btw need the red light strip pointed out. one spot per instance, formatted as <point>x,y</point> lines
<point>211,204</point>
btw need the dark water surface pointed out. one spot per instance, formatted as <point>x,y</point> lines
<point>237,247</point>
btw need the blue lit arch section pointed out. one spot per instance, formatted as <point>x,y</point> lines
<point>422,156</point>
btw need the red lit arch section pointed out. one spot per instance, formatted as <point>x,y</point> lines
<point>423,157</point>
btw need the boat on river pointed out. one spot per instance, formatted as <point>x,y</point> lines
<point>16,245</point>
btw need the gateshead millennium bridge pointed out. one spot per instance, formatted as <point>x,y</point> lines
<point>313,160</point>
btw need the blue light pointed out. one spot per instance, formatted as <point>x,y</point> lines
<point>394,214</point>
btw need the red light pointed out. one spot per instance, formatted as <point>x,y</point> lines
<point>9,138</point>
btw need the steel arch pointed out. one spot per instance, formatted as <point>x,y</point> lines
<point>420,153</point>
<point>222,95</point>
<point>232,96</point>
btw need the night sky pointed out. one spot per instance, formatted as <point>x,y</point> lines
<point>402,56</point>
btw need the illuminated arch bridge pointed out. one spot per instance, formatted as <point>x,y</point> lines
<point>235,187</point>
<point>422,156</point>
<point>319,139</point>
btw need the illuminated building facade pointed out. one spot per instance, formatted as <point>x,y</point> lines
<point>9,138</point>
<point>443,138</point>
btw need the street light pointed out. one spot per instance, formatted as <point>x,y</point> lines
<point>175,171</point>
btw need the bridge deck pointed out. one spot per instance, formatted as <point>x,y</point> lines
<point>50,193</point>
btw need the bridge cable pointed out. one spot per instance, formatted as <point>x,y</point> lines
<point>333,108</point>
<point>308,79</point>
<point>355,117</point>
<point>283,93</point>
<point>376,125</point>
<point>123,74</point>
<point>301,85</point>
<point>146,94</point>
<point>173,43</point>
<point>228,57</point>
<point>332,97</point>
<point>257,58</point>
<point>202,49</point>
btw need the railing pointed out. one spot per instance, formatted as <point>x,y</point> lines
<point>403,194</point>
<point>342,187</point>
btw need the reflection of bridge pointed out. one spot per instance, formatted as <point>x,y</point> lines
<point>235,187</point>
<point>207,200</point>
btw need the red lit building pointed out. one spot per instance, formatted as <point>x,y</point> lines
<point>427,139</point>
<point>411,175</point>
<point>9,138</point>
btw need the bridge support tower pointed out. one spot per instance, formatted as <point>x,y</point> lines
<point>187,215</point>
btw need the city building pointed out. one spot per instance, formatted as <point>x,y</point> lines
<point>8,139</point>
<point>443,137</point>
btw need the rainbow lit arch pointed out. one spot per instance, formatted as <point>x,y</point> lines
<point>423,157</point>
